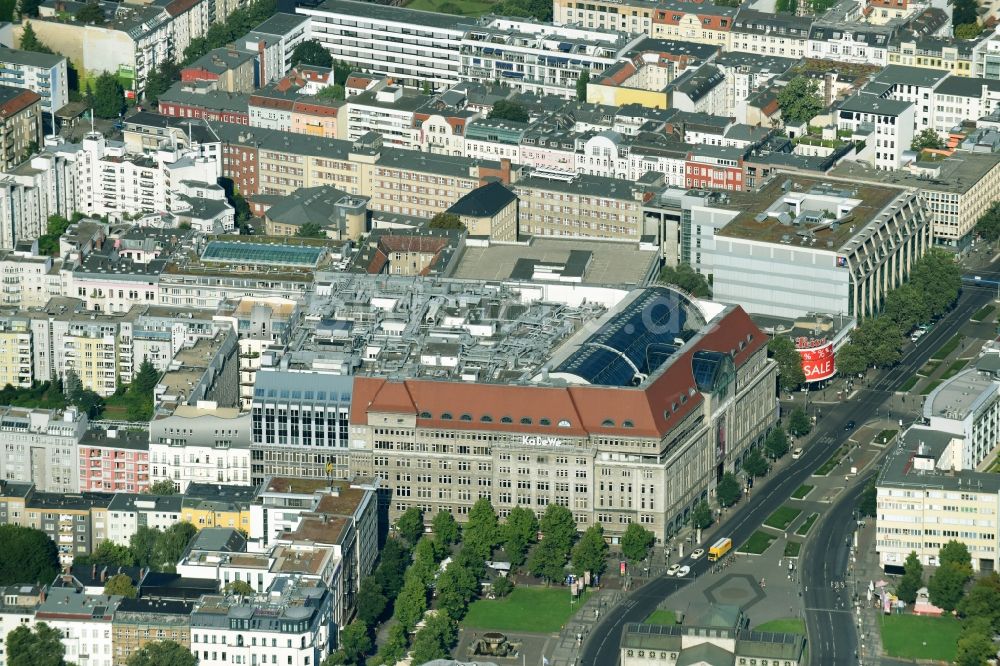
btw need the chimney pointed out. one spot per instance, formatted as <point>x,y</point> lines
<point>505,170</point>
<point>261,70</point>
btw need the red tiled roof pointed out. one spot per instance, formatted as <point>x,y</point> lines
<point>586,408</point>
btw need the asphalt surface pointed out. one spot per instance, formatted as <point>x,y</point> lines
<point>838,630</point>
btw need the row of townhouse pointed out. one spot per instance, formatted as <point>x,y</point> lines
<point>416,46</point>
<point>305,569</point>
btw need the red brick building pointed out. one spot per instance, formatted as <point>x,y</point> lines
<point>114,461</point>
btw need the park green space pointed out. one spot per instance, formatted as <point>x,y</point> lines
<point>757,543</point>
<point>806,524</point>
<point>918,637</point>
<point>782,517</point>
<point>458,7</point>
<point>527,608</point>
<point>661,616</point>
<point>785,625</point>
<point>802,491</point>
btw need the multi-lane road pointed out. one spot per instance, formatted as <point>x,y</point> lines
<point>831,630</point>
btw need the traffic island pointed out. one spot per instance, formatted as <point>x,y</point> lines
<point>757,543</point>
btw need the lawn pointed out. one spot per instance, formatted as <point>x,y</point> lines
<point>661,616</point>
<point>537,609</point>
<point>916,637</point>
<point>885,436</point>
<point>983,312</point>
<point>802,491</point>
<point>792,548</point>
<point>909,384</point>
<point>459,7</point>
<point>929,368</point>
<point>931,386</point>
<point>955,368</point>
<point>803,529</point>
<point>782,518</point>
<point>757,543</point>
<point>947,348</point>
<point>831,462</point>
<point>787,625</point>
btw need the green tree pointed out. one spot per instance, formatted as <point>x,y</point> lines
<point>143,543</point>
<point>108,96</point>
<point>29,8</point>
<point>776,443</point>
<point>701,516</point>
<point>754,464</point>
<point>799,423</point>
<point>968,31</point>
<point>163,487</point>
<point>425,562</point>
<point>686,278</point>
<point>851,360</point>
<point>482,529</point>
<point>332,93</point>
<point>868,502</point>
<point>581,85</point>
<point>91,13</point>
<point>988,226</point>
<point>41,646</point>
<point>371,601</point>
<point>171,544</point>
<point>878,340</point>
<point>502,586</point>
<point>355,642</point>
<point>162,653</point>
<point>728,491</point>
<point>108,554</point>
<point>939,277</point>
<point>519,531</point>
<point>72,385</point>
<point>975,646</point>
<point>557,525</point>
<point>7,8</point>
<point>548,561</point>
<point>160,80</point>
<point>456,587</point>
<point>906,306</point>
<point>946,586</point>
<point>394,648</point>
<point>411,603</point>
<point>790,375</point>
<point>29,40</point>
<point>964,12</point>
<point>239,588</point>
<point>926,139</point>
<point>435,639</point>
<point>956,553</point>
<point>799,100</point>
<point>591,552</point>
<point>392,563</point>
<point>445,221</point>
<point>311,52</point>
<point>983,601</point>
<point>121,585</point>
<point>446,529</point>
<point>311,230</point>
<point>787,6</point>
<point>411,524</point>
<point>912,579</point>
<point>507,110</point>
<point>636,542</point>
<point>27,556</point>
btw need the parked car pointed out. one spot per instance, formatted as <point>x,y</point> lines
<point>797,453</point>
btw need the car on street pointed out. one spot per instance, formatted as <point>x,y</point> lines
<point>850,426</point>
<point>797,453</point>
<point>697,553</point>
<point>674,568</point>
<point>683,571</point>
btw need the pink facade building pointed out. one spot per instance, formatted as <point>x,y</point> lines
<point>114,461</point>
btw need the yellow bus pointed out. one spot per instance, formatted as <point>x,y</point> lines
<point>719,548</point>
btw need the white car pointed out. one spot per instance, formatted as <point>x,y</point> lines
<point>683,571</point>
<point>797,453</point>
<point>698,553</point>
<point>674,568</point>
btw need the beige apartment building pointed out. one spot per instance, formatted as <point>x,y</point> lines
<point>609,450</point>
<point>580,206</point>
